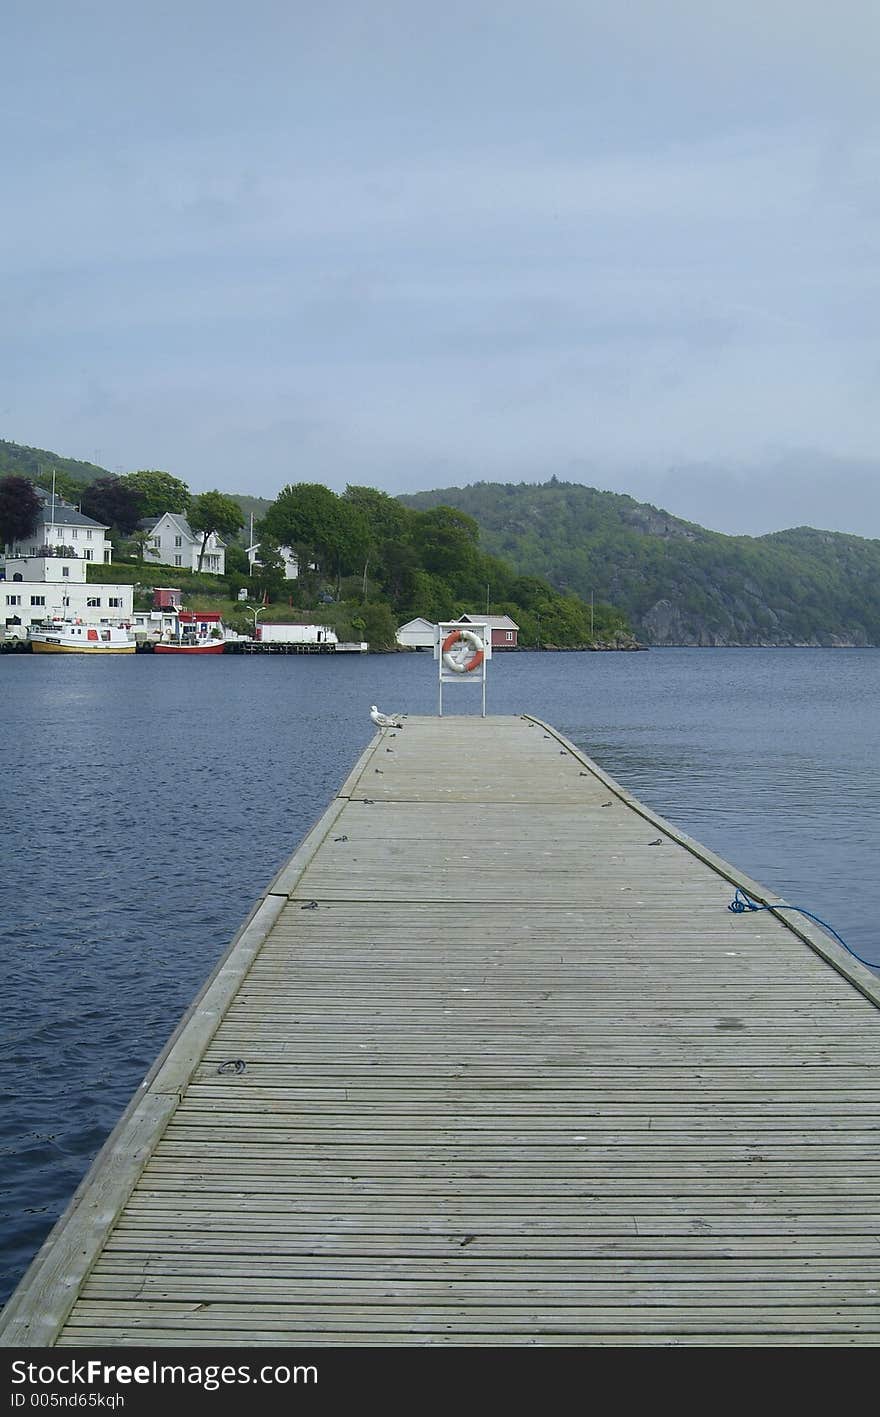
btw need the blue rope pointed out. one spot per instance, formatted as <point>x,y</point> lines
<point>741,902</point>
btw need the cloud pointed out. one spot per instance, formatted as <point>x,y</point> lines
<point>386,241</point>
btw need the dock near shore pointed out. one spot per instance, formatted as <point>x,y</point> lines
<point>491,1063</point>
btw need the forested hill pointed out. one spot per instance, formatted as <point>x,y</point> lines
<point>71,476</point>
<point>677,583</point>
<point>38,464</point>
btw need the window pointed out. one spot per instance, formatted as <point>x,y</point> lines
<point>65,570</point>
<point>157,542</point>
<point>178,541</point>
<point>510,634</point>
<point>115,602</point>
<point>178,560</point>
<point>87,555</point>
<point>88,536</point>
<point>65,600</point>
<point>13,600</point>
<point>38,600</point>
<point>93,601</point>
<point>74,534</point>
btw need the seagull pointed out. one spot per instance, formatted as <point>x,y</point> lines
<point>385,720</point>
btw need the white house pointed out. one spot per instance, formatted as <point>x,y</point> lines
<point>291,563</point>
<point>61,528</point>
<point>417,634</point>
<point>45,574</point>
<point>172,542</point>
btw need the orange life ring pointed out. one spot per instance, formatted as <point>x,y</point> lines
<point>465,637</point>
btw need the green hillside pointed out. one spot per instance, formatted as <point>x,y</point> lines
<point>676,582</point>
<point>367,563</point>
<point>39,464</point>
<point>72,476</point>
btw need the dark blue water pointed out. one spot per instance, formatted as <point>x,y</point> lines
<point>147,801</point>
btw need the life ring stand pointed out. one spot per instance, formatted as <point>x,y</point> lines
<point>466,666</point>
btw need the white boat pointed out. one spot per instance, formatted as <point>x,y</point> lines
<point>80,637</point>
<point>197,632</point>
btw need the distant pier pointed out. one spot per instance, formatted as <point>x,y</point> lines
<point>491,1063</point>
<point>280,647</point>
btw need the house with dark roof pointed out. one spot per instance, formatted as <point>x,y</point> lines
<point>59,525</point>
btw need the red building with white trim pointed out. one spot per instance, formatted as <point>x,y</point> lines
<point>504,630</point>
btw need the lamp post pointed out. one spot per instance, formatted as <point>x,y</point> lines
<point>256,611</point>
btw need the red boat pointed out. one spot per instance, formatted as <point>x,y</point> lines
<point>198,632</point>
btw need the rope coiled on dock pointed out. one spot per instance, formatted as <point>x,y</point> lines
<point>741,903</point>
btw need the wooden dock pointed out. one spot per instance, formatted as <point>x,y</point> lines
<point>492,1063</point>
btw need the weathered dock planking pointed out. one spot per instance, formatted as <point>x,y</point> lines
<point>492,1063</point>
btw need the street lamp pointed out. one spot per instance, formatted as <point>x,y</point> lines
<point>256,611</point>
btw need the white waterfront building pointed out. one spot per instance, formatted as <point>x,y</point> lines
<point>44,574</point>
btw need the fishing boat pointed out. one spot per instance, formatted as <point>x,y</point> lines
<point>197,632</point>
<point>80,637</point>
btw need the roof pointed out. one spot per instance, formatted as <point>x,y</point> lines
<point>65,514</point>
<point>183,526</point>
<point>419,623</point>
<point>179,520</point>
<point>495,622</point>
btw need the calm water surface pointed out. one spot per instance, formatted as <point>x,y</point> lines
<point>147,801</point>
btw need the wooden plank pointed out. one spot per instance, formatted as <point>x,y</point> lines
<point>501,1067</point>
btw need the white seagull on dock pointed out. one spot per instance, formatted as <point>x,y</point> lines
<point>385,720</point>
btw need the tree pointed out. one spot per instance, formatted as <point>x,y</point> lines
<point>20,508</point>
<point>446,541</point>
<point>160,491</point>
<point>304,515</point>
<point>214,512</point>
<point>388,525</point>
<point>377,625</point>
<point>114,502</point>
<point>267,573</point>
<point>236,561</point>
<point>139,540</point>
<point>319,526</point>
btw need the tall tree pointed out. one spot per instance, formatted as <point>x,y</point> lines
<point>319,526</point>
<point>160,491</point>
<point>114,502</point>
<point>19,509</point>
<point>214,512</point>
<point>306,517</point>
<point>388,525</point>
<point>446,541</point>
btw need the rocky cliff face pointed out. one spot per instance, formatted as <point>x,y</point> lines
<point>665,623</point>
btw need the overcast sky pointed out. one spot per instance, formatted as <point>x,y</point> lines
<point>392,242</point>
